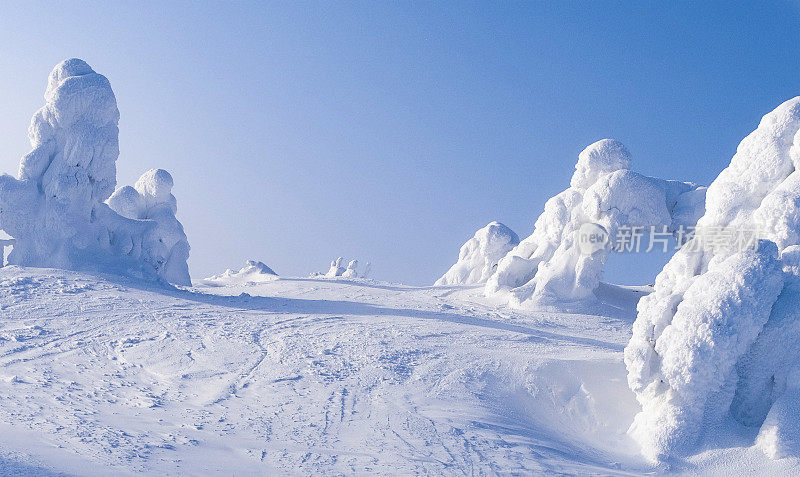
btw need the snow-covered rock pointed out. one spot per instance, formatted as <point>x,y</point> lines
<point>56,210</point>
<point>718,333</point>
<point>478,257</point>
<point>550,265</point>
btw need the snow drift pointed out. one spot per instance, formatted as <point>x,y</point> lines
<point>478,257</point>
<point>253,272</point>
<point>718,335</point>
<point>550,266</point>
<point>56,210</point>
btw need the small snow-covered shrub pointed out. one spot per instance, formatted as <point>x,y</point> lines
<point>478,257</point>
<point>56,209</point>
<point>338,270</point>
<point>550,266</point>
<point>350,272</point>
<point>719,333</point>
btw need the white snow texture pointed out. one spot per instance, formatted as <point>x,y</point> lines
<point>548,266</point>
<point>478,258</point>
<point>56,208</point>
<point>719,334</point>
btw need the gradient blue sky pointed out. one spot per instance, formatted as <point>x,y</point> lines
<point>391,131</point>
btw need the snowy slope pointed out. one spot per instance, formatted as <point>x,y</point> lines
<point>298,376</point>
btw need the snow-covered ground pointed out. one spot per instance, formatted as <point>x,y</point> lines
<point>102,375</point>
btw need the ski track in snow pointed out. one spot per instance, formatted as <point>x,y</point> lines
<point>104,375</point>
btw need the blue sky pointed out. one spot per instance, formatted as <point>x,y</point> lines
<point>391,131</point>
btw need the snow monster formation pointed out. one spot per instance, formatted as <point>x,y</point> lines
<point>478,257</point>
<point>151,199</point>
<point>718,336</point>
<point>56,209</point>
<point>550,266</point>
<point>337,269</point>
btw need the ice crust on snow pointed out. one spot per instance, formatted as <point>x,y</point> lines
<point>548,266</point>
<point>478,257</point>
<point>718,336</point>
<point>56,209</point>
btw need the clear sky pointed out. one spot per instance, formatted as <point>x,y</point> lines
<point>391,131</point>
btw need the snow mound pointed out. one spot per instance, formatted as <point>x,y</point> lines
<point>253,272</point>
<point>717,336</point>
<point>56,211</point>
<point>478,257</point>
<point>551,265</point>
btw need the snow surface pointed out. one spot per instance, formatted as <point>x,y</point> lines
<point>478,257</point>
<point>103,375</point>
<point>716,339</point>
<point>549,266</point>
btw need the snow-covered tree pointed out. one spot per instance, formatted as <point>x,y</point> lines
<point>350,272</point>
<point>151,199</point>
<point>52,208</point>
<point>550,265</point>
<point>719,333</point>
<point>55,209</point>
<point>336,269</point>
<point>478,257</point>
